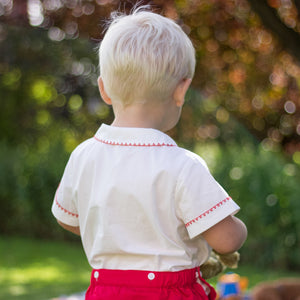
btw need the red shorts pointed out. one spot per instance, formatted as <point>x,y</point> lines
<point>147,285</point>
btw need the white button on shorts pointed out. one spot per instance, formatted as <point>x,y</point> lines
<point>151,276</point>
<point>96,274</point>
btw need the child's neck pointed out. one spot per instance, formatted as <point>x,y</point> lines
<point>142,116</point>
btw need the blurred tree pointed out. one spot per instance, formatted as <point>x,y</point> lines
<point>241,65</point>
<point>282,18</point>
<point>244,69</point>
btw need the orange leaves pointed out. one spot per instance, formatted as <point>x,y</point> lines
<point>237,75</point>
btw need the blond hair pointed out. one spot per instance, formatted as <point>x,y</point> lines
<point>143,56</point>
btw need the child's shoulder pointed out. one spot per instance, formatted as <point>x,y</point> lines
<point>190,158</point>
<point>82,148</point>
<point>190,155</point>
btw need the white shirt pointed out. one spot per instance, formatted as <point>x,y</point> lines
<point>140,200</point>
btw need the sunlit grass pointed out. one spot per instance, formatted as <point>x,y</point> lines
<point>41,270</point>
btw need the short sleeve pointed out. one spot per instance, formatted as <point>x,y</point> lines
<point>63,207</point>
<point>202,202</point>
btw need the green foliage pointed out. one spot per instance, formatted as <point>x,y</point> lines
<point>46,87</point>
<point>28,180</point>
<point>266,187</point>
<point>49,104</point>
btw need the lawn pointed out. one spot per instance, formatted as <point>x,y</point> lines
<point>41,270</point>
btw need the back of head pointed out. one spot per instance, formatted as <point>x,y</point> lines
<point>143,56</point>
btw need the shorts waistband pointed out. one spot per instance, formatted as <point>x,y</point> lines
<point>143,278</point>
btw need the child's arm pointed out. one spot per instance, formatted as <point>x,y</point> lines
<point>75,230</point>
<point>226,236</point>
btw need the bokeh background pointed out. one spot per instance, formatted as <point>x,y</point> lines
<point>242,112</point>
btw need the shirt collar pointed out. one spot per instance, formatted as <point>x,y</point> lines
<point>129,136</point>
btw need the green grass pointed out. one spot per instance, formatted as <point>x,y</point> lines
<point>41,270</point>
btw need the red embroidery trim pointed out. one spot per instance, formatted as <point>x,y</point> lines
<point>66,211</point>
<point>134,144</point>
<point>207,212</point>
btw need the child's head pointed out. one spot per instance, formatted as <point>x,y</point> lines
<point>143,57</point>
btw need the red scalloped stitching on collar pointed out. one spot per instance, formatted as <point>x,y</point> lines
<point>134,144</point>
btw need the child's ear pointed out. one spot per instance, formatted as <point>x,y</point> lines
<point>181,90</point>
<point>102,91</point>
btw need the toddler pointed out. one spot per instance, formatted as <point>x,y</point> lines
<point>148,212</point>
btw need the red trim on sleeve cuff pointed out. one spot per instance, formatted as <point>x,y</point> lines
<point>65,210</point>
<point>207,212</point>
